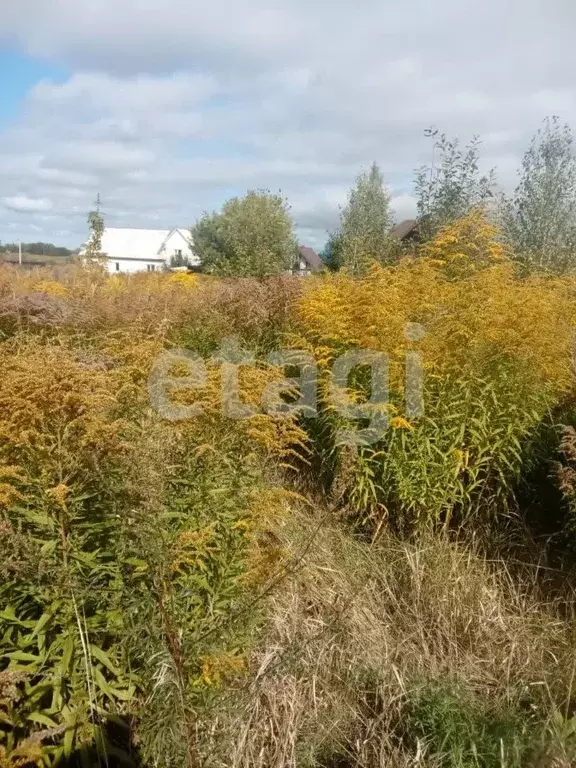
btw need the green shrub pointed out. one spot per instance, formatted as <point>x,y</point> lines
<point>464,731</point>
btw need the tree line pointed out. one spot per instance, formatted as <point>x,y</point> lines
<point>254,234</point>
<point>37,249</point>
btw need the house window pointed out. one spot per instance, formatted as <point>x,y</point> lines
<point>150,267</point>
<point>179,253</point>
<point>117,266</point>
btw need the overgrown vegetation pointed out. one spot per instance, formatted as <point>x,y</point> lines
<point>452,184</point>
<point>539,218</point>
<point>96,226</point>
<point>387,581</point>
<point>129,546</point>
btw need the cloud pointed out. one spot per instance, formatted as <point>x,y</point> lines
<point>21,203</point>
<point>171,108</point>
<point>132,96</point>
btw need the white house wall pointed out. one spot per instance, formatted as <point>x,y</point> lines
<point>178,241</point>
<point>128,266</point>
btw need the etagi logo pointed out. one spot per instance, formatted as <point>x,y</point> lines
<point>294,396</point>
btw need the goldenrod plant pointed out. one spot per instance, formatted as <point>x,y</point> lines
<point>494,352</point>
<point>189,577</point>
<point>130,546</point>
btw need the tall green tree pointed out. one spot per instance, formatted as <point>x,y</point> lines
<point>96,226</point>
<point>365,222</point>
<point>539,220</point>
<point>178,260</point>
<point>331,253</point>
<point>452,184</point>
<point>253,235</point>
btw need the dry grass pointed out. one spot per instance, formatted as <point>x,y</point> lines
<point>195,311</point>
<point>360,629</point>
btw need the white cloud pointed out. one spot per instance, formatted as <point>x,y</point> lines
<point>171,107</point>
<point>113,155</point>
<point>21,203</point>
<point>126,96</point>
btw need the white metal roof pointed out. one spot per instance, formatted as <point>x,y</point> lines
<point>133,243</point>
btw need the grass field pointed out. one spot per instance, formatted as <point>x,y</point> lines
<point>259,592</point>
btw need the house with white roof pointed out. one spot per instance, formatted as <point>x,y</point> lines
<point>145,250</point>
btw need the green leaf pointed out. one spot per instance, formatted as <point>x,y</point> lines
<point>49,548</point>
<point>99,654</point>
<point>67,654</point>
<point>71,719</point>
<point>41,623</point>
<point>23,656</point>
<point>101,681</point>
<point>38,717</point>
<point>122,694</point>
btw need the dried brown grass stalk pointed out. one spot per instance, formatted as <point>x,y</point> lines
<point>361,626</point>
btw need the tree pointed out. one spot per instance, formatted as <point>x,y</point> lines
<point>364,225</point>
<point>40,249</point>
<point>96,226</point>
<point>452,185</point>
<point>539,221</point>
<point>253,235</point>
<point>178,260</point>
<point>330,254</point>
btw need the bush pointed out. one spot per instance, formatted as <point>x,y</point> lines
<point>462,731</point>
<point>495,355</point>
<point>133,550</point>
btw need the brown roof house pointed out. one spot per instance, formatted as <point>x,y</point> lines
<point>407,231</point>
<point>307,262</point>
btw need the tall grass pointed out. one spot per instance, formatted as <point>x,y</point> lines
<point>165,598</point>
<point>396,654</point>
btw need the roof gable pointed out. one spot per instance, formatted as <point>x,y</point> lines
<point>179,235</point>
<point>404,229</point>
<point>141,244</point>
<point>311,258</point>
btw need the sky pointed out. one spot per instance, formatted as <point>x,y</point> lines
<point>166,108</point>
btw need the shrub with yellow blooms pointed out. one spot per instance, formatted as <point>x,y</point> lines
<point>495,352</point>
<point>470,243</point>
<point>185,279</point>
<point>131,547</point>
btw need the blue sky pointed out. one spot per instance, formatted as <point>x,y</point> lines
<point>18,74</point>
<point>166,109</point>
